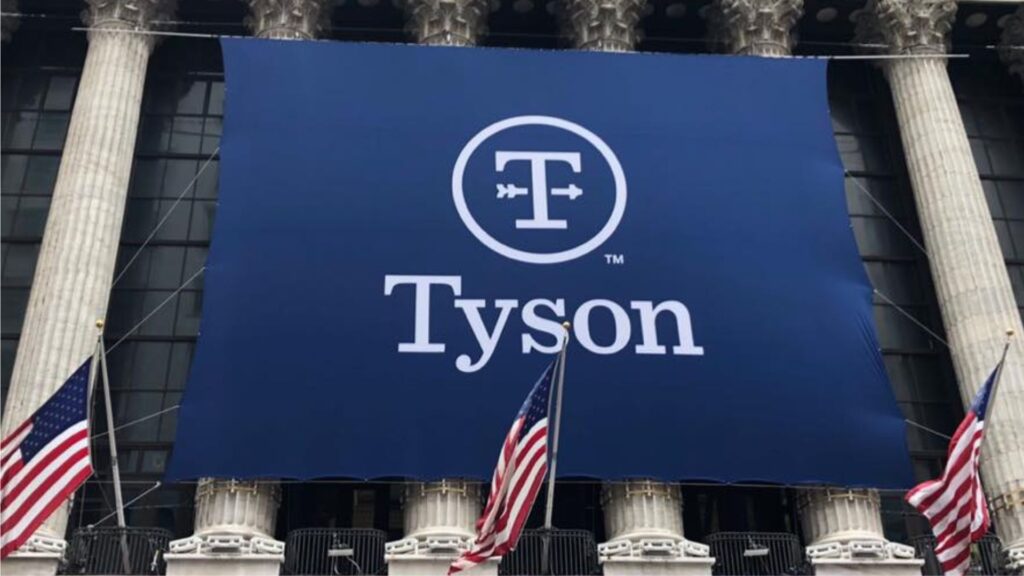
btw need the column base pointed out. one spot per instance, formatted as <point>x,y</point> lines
<point>225,555</point>
<point>223,565</point>
<point>40,556</point>
<point>867,568</point>
<point>433,565</point>
<point>30,564</point>
<point>658,566</point>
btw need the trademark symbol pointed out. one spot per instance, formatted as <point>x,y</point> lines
<point>616,259</point>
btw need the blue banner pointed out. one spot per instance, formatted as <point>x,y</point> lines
<point>402,230</point>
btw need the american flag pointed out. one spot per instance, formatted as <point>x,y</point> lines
<point>522,465</point>
<point>955,503</point>
<point>43,461</point>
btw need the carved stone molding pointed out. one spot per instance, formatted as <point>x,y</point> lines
<point>446,22</point>
<point>604,25</point>
<point>8,24</point>
<point>288,19</point>
<point>128,14</point>
<point>754,27</point>
<point>1011,49</point>
<point>907,26</point>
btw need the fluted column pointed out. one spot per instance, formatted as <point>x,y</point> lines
<point>1011,47</point>
<point>846,525</point>
<point>235,519</point>
<point>446,22</point>
<point>841,525</point>
<point>288,19</point>
<point>644,521</point>
<point>440,518</point>
<point>755,27</point>
<point>73,275</point>
<point>971,281</point>
<point>603,25</point>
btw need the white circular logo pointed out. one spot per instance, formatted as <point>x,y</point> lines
<point>537,190</point>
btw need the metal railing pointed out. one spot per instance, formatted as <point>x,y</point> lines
<point>756,553</point>
<point>330,551</point>
<point>570,553</point>
<point>103,551</point>
<point>986,556</point>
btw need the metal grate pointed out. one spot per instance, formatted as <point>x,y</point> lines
<point>756,553</point>
<point>330,551</point>
<point>986,556</point>
<point>102,551</point>
<point>570,553</point>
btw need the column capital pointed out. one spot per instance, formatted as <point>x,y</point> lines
<point>907,26</point>
<point>127,14</point>
<point>8,24</point>
<point>446,22</point>
<point>604,25</point>
<point>755,27</point>
<point>1011,48</point>
<point>288,19</point>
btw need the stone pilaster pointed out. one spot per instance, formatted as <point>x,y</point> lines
<point>440,519</point>
<point>76,261</point>
<point>446,22</point>
<point>755,27</point>
<point>644,523</point>
<point>288,19</point>
<point>1011,48</point>
<point>970,276</point>
<point>603,25</point>
<point>8,24</point>
<point>844,531</point>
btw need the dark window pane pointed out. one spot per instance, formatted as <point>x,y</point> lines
<point>12,313</point>
<point>19,264</point>
<point>41,175</point>
<point>60,94</point>
<point>31,218</point>
<point>51,130</point>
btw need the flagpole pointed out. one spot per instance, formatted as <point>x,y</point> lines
<point>995,386</point>
<point>550,506</point>
<point>112,441</point>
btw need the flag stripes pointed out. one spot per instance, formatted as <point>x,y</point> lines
<point>955,503</point>
<point>43,461</point>
<point>522,466</point>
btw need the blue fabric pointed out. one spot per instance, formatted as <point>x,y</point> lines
<point>339,169</point>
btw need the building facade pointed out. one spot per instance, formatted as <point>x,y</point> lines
<point>110,140</point>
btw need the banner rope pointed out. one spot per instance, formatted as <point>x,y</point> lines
<point>681,40</point>
<point>166,216</point>
<point>155,310</point>
<point>885,212</point>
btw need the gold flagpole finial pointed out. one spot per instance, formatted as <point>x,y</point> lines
<point>1010,332</point>
<point>100,323</point>
<point>566,325</point>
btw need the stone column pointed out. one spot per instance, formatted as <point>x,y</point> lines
<point>76,262</point>
<point>235,519</point>
<point>1011,48</point>
<point>971,281</point>
<point>440,524</point>
<point>644,523</point>
<point>234,531</point>
<point>844,528</point>
<point>603,25</point>
<point>440,517</point>
<point>755,27</point>
<point>446,22</point>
